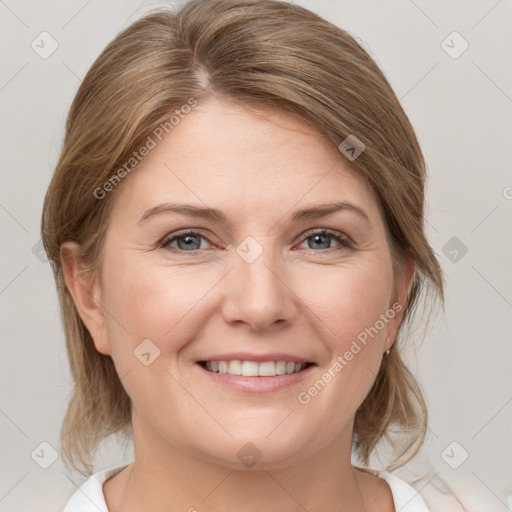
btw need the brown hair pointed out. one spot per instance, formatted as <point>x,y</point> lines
<point>258,53</point>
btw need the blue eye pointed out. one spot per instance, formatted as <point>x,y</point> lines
<point>190,241</point>
<point>322,238</point>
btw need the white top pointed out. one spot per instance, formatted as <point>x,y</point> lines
<point>89,496</point>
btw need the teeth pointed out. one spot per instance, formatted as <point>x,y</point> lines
<point>267,369</point>
<point>235,367</point>
<point>253,368</point>
<point>250,368</point>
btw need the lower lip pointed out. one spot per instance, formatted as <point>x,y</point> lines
<point>256,384</point>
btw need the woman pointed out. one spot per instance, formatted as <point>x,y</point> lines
<point>236,230</point>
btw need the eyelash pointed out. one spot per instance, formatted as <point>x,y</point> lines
<point>343,239</point>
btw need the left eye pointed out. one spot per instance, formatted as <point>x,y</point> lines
<point>321,237</point>
<point>190,241</point>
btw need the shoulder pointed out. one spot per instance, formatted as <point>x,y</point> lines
<point>422,493</point>
<point>90,493</point>
<point>432,491</point>
<point>453,493</point>
<point>405,497</point>
<point>426,494</point>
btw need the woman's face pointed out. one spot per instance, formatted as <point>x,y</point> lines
<point>254,281</point>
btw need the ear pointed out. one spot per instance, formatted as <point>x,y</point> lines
<point>86,294</point>
<point>400,298</point>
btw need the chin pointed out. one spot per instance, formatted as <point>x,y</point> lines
<point>257,450</point>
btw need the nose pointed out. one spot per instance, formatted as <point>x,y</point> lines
<point>258,292</point>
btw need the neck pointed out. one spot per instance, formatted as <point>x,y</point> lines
<point>166,477</point>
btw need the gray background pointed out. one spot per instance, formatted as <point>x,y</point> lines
<point>460,106</point>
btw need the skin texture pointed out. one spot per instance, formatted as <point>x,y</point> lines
<point>300,296</point>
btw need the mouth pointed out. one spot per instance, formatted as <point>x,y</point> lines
<point>248,368</point>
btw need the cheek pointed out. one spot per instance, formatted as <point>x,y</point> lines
<point>352,299</point>
<point>351,302</point>
<point>156,303</point>
<point>153,311</point>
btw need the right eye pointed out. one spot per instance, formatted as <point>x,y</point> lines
<point>187,241</point>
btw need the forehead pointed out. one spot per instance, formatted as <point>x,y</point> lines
<point>222,154</point>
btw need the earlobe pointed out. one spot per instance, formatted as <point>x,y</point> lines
<point>86,294</point>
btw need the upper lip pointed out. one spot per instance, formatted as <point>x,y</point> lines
<point>246,356</point>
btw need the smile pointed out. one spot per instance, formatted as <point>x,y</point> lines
<point>254,368</point>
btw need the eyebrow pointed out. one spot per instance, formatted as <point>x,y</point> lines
<point>316,212</point>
